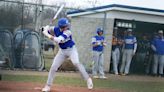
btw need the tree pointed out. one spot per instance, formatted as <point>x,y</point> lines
<point>10,15</point>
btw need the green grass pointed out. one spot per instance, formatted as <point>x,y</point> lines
<point>48,62</point>
<point>124,86</point>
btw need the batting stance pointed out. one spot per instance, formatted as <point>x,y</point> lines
<point>63,37</point>
<point>98,44</point>
<point>129,49</point>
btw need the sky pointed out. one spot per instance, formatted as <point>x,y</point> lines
<point>156,4</point>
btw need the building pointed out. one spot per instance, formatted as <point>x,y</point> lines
<point>84,23</point>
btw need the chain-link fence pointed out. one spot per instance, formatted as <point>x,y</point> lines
<point>20,46</point>
<point>17,14</point>
<point>6,49</point>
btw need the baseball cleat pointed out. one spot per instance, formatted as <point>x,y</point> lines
<point>46,89</point>
<point>123,74</point>
<point>95,77</point>
<point>89,83</point>
<point>116,73</point>
<point>103,77</point>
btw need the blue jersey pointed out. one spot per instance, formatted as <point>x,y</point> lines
<point>99,40</point>
<point>159,45</point>
<point>129,42</point>
<point>68,43</point>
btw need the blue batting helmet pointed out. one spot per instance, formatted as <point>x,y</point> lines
<point>99,30</point>
<point>63,22</point>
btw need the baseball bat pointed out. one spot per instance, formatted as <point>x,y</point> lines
<point>57,13</point>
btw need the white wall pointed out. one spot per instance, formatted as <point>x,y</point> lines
<point>83,30</point>
<point>129,16</point>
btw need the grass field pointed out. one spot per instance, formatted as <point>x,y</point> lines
<point>123,85</point>
<point>112,83</point>
<point>130,83</point>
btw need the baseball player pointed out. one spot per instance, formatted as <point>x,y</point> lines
<point>158,47</point>
<point>116,43</point>
<point>63,37</point>
<point>143,52</point>
<point>129,49</point>
<point>98,44</point>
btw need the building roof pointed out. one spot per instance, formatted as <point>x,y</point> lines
<point>115,7</point>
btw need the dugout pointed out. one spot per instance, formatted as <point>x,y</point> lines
<point>27,48</point>
<point>6,49</point>
<point>84,23</point>
<point>140,29</point>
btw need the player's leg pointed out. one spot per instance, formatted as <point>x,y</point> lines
<point>101,66</point>
<point>114,59</point>
<point>75,60</point>
<point>148,66</point>
<point>161,64</point>
<point>129,59</point>
<point>124,56</point>
<point>117,51</point>
<point>118,55</point>
<point>155,64</point>
<point>58,60</point>
<point>95,64</point>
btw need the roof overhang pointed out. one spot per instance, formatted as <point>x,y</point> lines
<point>116,7</point>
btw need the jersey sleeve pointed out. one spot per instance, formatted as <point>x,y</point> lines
<point>135,40</point>
<point>93,40</point>
<point>135,45</point>
<point>153,45</point>
<point>66,34</point>
<point>63,37</point>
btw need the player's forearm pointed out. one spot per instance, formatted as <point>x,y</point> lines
<point>94,44</point>
<point>153,47</point>
<point>135,47</point>
<point>45,32</point>
<point>59,39</point>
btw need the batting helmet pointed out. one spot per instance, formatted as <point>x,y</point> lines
<point>63,22</point>
<point>99,30</point>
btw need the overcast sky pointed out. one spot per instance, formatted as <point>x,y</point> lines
<point>157,4</point>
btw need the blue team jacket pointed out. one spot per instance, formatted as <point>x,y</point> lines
<point>159,45</point>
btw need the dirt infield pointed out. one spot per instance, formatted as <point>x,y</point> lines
<point>9,86</point>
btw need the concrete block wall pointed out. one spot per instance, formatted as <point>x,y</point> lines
<point>83,29</point>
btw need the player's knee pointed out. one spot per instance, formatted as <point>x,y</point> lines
<point>54,70</point>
